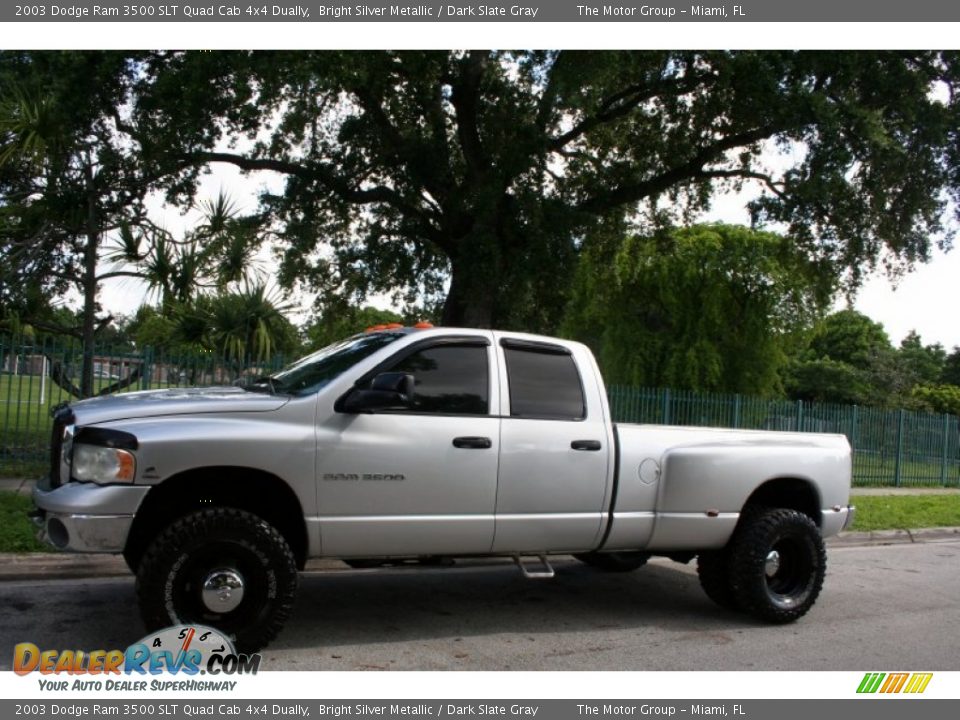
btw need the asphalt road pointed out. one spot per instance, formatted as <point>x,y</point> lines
<point>882,607</point>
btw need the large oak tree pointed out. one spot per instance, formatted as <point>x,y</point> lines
<point>489,170</point>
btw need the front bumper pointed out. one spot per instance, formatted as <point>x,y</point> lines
<point>85,517</point>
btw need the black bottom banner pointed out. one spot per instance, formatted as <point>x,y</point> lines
<point>872,708</point>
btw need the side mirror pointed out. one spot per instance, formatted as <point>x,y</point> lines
<point>388,391</point>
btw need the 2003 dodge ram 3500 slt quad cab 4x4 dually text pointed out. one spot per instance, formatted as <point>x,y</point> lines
<point>412,442</point>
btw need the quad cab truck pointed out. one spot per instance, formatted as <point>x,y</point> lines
<point>405,443</point>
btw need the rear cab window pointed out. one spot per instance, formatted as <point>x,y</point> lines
<point>543,380</point>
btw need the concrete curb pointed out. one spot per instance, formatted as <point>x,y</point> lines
<point>62,566</point>
<point>895,537</point>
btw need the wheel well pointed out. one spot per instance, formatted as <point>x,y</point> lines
<point>255,491</point>
<point>790,493</point>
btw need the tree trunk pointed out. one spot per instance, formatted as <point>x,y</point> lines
<point>471,299</point>
<point>89,286</point>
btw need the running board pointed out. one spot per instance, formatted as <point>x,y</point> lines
<point>544,572</point>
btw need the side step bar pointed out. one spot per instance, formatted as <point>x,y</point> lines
<point>543,572</point>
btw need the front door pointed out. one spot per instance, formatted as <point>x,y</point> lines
<point>422,480</point>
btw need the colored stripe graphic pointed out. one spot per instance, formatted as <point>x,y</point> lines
<point>870,682</point>
<point>918,683</point>
<point>893,683</point>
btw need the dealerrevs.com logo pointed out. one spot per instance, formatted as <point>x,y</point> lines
<point>182,649</point>
<point>896,682</point>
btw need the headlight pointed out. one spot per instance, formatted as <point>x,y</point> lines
<point>102,464</point>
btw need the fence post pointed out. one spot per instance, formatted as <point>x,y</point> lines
<point>943,455</point>
<point>147,370</point>
<point>666,406</point>
<point>899,458</point>
<point>736,410</point>
<point>799,415</point>
<point>853,429</point>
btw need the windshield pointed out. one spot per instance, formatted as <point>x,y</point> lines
<point>311,373</point>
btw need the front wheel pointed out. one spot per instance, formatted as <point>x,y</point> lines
<point>223,567</point>
<point>777,565</point>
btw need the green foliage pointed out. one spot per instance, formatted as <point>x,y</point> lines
<point>711,307</point>
<point>245,324</point>
<point>336,325</point>
<point>850,337</point>
<point>906,512</point>
<point>849,359</point>
<point>939,398</point>
<point>70,173</point>
<point>846,353</point>
<point>924,362</point>
<point>17,534</point>
<point>488,168</point>
<point>149,328</point>
<point>950,374</point>
<point>826,380</point>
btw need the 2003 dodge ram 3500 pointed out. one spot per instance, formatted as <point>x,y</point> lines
<point>412,442</point>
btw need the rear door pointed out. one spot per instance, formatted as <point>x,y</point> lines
<point>554,451</point>
<point>419,481</point>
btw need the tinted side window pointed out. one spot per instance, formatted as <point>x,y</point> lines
<point>451,379</point>
<point>544,385</point>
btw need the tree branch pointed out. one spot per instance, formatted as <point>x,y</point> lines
<point>692,169</point>
<point>120,273</point>
<point>625,101</point>
<point>766,179</point>
<point>327,177</point>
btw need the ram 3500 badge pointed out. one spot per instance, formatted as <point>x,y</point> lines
<point>410,442</point>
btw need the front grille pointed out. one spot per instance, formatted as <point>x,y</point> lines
<point>61,418</point>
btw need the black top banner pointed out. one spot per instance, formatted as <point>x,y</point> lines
<point>853,11</point>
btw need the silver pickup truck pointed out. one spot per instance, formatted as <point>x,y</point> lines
<point>406,443</point>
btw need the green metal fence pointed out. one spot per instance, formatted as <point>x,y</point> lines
<point>36,376</point>
<point>892,447</point>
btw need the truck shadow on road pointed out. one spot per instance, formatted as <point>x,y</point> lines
<point>399,605</point>
<point>419,607</point>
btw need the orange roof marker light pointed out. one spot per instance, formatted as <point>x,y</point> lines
<point>422,325</point>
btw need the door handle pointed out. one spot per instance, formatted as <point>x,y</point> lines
<point>472,443</point>
<point>592,445</point>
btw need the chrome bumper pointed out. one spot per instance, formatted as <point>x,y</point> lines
<point>84,517</point>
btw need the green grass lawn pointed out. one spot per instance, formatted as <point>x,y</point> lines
<point>893,512</point>
<point>16,530</point>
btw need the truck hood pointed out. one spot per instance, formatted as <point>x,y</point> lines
<point>179,401</point>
